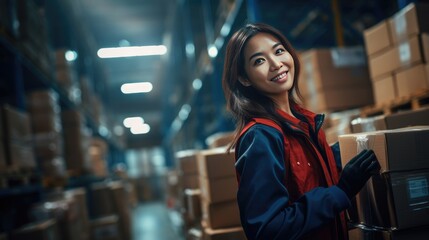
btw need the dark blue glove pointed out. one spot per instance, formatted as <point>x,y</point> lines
<point>357,172</point>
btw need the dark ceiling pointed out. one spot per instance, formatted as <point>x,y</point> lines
<point>104,23</point>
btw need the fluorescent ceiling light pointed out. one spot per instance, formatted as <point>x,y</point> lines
<point>140,87</point>
<point>135,51</point>
<point>133,121</point>
<point>140,129</point>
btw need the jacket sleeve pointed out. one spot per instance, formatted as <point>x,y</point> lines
<point>263,199</point>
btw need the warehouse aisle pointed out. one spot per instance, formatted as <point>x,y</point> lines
<point>153,221</point>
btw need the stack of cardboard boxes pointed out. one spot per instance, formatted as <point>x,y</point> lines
<point>398,52</point>
<point>396,201</point>
<point>210,207</point>
<point>335,79</point>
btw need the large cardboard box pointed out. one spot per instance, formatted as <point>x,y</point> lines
<point>409,21</point>
<point>384,63</point>
<point>187,161</point>
<point>412,80</point>
<point>384,89</point>
<point>396,150</point>
<point>339,99</point>
<point>377,38</point>
<point>221,215</point>
<point>368,124</point>
<point>413,51</point>
<point>324,69</point>
<point>216,163</point>
<point>218,189</point>
<point>408,118</point>
<point>394,200</point>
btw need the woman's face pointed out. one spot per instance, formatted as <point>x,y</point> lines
<point>269,67</point>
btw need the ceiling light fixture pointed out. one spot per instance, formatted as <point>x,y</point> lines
<point>140,87</point>
<point>117,52</point>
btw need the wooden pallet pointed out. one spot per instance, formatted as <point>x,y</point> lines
<point>412,102</point>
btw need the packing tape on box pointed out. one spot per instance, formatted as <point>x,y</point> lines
<point>362,143</point>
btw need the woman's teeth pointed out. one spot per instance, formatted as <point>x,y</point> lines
<point>279,77</point>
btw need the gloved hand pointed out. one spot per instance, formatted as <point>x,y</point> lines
<point>357,172</point>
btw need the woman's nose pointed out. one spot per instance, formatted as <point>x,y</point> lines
<point>275,65</point>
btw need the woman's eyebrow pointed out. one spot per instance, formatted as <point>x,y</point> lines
<point>259,53</point>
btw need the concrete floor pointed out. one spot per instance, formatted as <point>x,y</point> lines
<point>154,221</point>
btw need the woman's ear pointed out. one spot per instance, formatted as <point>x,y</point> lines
<point>244,81</point>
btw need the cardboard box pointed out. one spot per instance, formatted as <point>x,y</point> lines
<point>384,89</point>
<point>368,124</point>
<point>189,181</point>
<point>234,233</point>
<point>15,124</point>
<point>105,228</point>
<point>395,200</point>
<point>20,155</point>
<point>409,21</point>
<point>193,205</point>
<point>216,163</point>
<point>216,190</point>
<point>187,161</point>
<point>402,149</point>
<point>324,69</point>
<point>409,201</point>
<point>221,215</point>
<point>412,80</point>
<point>339,99</point>
<point>408,118</point>
<point>384,63</point>
<point>43,230</point>
<point>413,51</point>
<point>43,101</point>
<point>220,139</point>
<point>378,38</point>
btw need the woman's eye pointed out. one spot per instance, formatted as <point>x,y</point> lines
<point>259,61</point>
<point>280,50</point>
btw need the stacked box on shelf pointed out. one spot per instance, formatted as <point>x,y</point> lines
<point>105,228</point>
<point>335,79</point>
<point>218,185</point>
<point>188,180</point>
<point>42,230</point>
<point>76,142</point>
<point>44,109</point>
<point>111,199</point>
<point>65,210</point>
<point>339,123</point>
<point>33,34</point>
<point>398,51</point>
<point>396,199</point>
<point>98,157</point>
<point>220,139</point>
<point>80,196</point>
<point>66,75</point>
<point>419,117</point>
<point>16,138</point>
